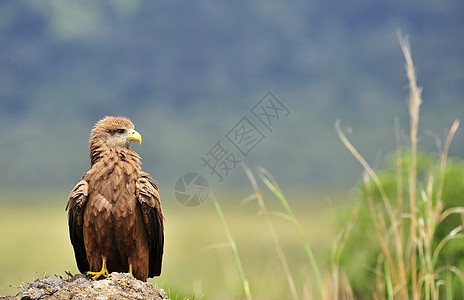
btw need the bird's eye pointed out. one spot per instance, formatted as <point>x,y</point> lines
<point>120,131</point>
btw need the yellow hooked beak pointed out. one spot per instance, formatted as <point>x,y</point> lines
<point>133,135</point>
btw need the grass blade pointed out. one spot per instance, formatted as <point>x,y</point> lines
<point>268,180</point>
<point>233,246</point>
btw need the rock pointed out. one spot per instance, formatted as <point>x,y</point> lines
<point>80,287</point>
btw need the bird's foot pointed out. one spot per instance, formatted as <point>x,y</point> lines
<point>103,272</point>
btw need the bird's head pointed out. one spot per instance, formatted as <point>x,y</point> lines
<point>115,132</point>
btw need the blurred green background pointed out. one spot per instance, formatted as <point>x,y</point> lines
<point>186,73</point>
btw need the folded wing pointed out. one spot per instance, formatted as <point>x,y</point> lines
<point>75,207</point>
<point>149,200</point>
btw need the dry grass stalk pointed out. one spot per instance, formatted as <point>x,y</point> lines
<point>272,185</point>
<point>384,228</point>
<point>264,213</point>
<point>414,104</point>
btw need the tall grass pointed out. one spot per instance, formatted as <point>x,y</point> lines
<point>407,264</point>
<point>264,212</point>
<point>272,185</point>
<point>332,285</point>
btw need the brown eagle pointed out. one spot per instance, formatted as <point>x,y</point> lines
<point>114,212</point>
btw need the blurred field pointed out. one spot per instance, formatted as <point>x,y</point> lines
<point>34,242</point>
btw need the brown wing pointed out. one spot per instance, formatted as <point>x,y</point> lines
<point>149,199</point>
<point>75,207</point>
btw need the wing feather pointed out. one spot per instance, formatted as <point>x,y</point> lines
<point>149,199</point>
<point>75,207</point>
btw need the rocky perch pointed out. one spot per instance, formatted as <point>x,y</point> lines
<point>115,286</point>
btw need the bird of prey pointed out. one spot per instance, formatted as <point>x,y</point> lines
<point>115,219</point>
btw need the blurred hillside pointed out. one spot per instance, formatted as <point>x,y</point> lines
<point>187,72</point>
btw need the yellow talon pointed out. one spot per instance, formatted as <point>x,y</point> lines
<point>103,272</point>
<point>130,269</point>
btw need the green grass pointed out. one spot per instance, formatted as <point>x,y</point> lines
<point>198,262</point>
<point>31,243</point>
<point>406,223</point>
